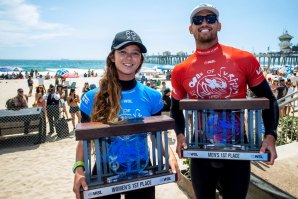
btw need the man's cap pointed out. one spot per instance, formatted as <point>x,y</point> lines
<point>127,37</point>
<point>20,89</point>
<point>204,6</point>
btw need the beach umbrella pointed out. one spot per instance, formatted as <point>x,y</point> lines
<point>61,72</point>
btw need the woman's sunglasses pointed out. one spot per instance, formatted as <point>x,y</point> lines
<point>210,19</point>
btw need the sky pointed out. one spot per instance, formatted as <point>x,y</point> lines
<point>84,29</point>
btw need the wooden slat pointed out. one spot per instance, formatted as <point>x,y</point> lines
<point>224,104</point>
<point>96,130</point>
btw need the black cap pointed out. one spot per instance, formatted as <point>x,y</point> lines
<point>167,90</point>
<point>127,37</point>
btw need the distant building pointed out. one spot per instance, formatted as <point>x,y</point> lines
<point>166,53</point>
<point>285,42</point>
<point>181,53</point>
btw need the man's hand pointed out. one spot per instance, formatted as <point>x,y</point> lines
<point>181,144</point>
<point>79,181</point>
<point>269,144</point>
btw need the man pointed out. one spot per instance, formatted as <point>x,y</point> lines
<point>30,85</point>
<point>215,71</point>
<point>21,100</point>
<point>52,98</point>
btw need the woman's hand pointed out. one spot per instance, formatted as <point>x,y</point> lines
<point>174,165</point>
<point>79,181</point>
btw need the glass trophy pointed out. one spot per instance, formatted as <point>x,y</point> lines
<point>229,129</point>
<point>120,157</point>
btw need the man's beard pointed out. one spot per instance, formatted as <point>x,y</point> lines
<point>207,39</point>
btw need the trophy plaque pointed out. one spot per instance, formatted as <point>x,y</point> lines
<point>228,129</point>
<point>123,156</point>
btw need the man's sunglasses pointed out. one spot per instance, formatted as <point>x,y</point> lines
<point>210,19</point>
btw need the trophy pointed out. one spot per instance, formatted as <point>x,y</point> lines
<point>122,157</point>
<point>228,129</point>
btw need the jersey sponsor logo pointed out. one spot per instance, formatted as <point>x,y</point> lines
<point>209,62</point>
<point>214,84</point>
<point>127,101</point>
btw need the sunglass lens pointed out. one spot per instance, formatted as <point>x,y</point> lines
<point>210,19</point>
<point>198,20</point>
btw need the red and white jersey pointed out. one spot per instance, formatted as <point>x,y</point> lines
<point>216,73</point>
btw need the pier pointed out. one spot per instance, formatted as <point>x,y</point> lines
<point>278,58</point>
<point>265,59</point>
<point>165,59</point>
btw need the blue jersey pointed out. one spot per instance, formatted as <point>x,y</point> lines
<point>139,102</point>
<point>129,154</point>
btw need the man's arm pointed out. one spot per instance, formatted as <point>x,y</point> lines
<point>270,118</point>
<point>271,115</point>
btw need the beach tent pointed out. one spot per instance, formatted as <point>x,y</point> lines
<point>70,75</point>
<point>9,68</point>
<point>61,72</point>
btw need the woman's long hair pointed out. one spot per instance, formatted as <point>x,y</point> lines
<point>106,105</point>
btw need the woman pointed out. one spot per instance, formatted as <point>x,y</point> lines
<point>39,100</point>
<point>121,96</point>
<point>85,89</point>
<point>73,100</point>
<point>62,97</point>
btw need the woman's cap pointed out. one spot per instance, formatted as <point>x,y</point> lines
<point>127,37</point>
<point>204,6</point>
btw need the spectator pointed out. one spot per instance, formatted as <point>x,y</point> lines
<point>62,99</point>
<point>52,98</point>
<point>167,101</point>
<point>40,80</point>
<point>85,89</point>
<point>73,102</point>
<point>21,100</point>
<point>163,87</point>
<point>30,85</point>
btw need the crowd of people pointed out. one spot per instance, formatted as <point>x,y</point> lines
<point>57,100</point>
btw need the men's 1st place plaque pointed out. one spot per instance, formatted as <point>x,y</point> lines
<point>229,129</point>
<point>119,157</point>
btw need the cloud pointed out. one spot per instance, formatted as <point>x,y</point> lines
<point>21,24</point>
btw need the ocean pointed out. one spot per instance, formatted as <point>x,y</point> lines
<point>79,66</point>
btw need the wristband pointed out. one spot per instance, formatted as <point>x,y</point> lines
<point>77,164</point>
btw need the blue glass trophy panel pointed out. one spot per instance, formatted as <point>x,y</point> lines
<point>128,155</point>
